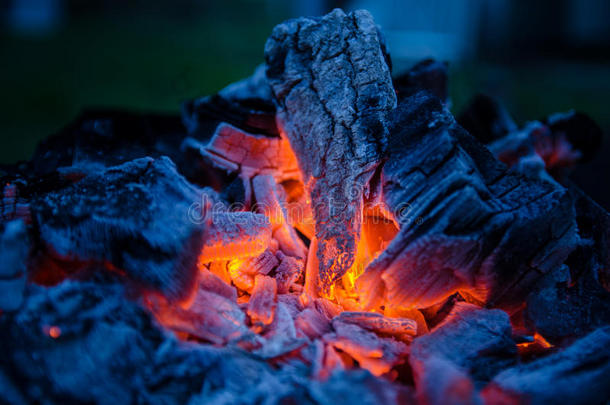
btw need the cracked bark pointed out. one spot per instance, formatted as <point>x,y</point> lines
<point>333,90</point>
<point>466,223</point>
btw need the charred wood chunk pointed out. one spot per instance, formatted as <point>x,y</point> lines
<point>333,89</point>
<point>263,302</point>
<point>14,251</point>
<point>289,271</point>
<point>134,216</point>
<point>78,342</point>
<point>574,300</point>
<point>249,154</point>
<point>429,75</point>
<point>577,375</point>
<point>211,317</point>
<point>247,104</point>
<point>438,381</point>
<point>374,353</point>
<point>103,138</point>
<point>486,119</point>
<point>84,342</point>
<point>466,222</point>
<point>477,341</point>
<point>397,327</point>
<point>271,201</point>
<point>234,235</point>
<point>281,335</point>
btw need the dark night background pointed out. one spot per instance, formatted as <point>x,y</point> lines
<point>60,56</point>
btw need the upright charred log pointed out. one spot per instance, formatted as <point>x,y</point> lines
<point>333,90</point>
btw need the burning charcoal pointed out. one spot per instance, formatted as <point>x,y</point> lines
<point>486,119</point>
<point>413,314</point>
<point>334,92</point>
<point>263,302</point>
<point>575,375</point>
<point>328,361</point>
<point>271,202</point>
<point>211,317</point>
<point>209,281</point>
<point>281,338</point>
<point>477,341</point>
<point>238,151</point>
<point>312,323</point>
<point>243,271</point>
<point>134,216</point>
<point>429,75</point>
<point>376,354</point>
<point>84,342</point>
<point>439,381</point>
<point>466,223</point>
<point>401,328</point>
<point>288,272</point>
<point>14,250</point>
<point>298,209</point>
<point>235,235</point>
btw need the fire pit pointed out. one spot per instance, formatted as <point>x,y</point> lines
<point>317,233</point>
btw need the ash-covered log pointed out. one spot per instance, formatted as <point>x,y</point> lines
<point>466,222</point>
<point>334,92</point>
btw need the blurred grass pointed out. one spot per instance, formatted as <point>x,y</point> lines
<point>148,61</point>
<point>154,60</point>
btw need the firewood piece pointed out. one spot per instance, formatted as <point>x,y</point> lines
<point>247,105</point>
<point>478,341</point>
<point>429,75</point>
<point>12,204</point>
<point>243,271</point>
<point>271,201</point>
<point>14,250</point>
<point>249,154</point>
<point>281,336</point>
<point>234,235</point>
<point>84,342</point>
<point>438,381</point>
<point>134,216</point>
<point>397,327</point>
<point>78,342</point>
<point>263,302</point>
<point>360,387</point>
<point>209,281</point>
<point>486,119</point>
<point>374,353</point>
<point>299,210</point>
<point>288,272</point>
<point>577,374</point>
<point>466,223</point>
<point>333,89</point>
<point>574,302</point>
<point>255,87</point>
<point>211,317</point>
<point>582,132</point>
<point>312,323</point>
